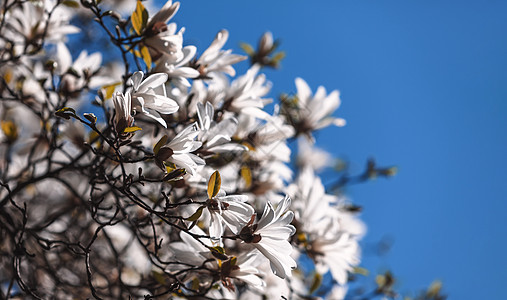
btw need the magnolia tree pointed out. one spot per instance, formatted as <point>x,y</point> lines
<point>162,173</point>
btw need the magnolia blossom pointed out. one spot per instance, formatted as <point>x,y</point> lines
<point>329,241</point>
<point>214,59</point>
<point>268,139</point>
<point>162,38</point>
<point>213,91</point>
<point>149,96</point>
<point>178,151</point>
<point>270,236</point>
<point>26,23</point>
<point>123,110</point>
<point>316,110</point>
<point>35,78</point>
<point>85,70</point>
<point>90,183</point>
<point>266,43</point>
<point>245,269</point>
<point>196,251</point>
<point>216,136</point>
<point>175,66</point>
<point>338,254</point>
<point>190,250</point>
<point>311,203</point>
<point>275,287</point>
<point>232,210</point>
<point>246,92</point>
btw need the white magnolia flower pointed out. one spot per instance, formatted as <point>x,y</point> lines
<point>26,23</point>
<point>232,210</point>
<point>244,268</point>
<point>178,151</point>
<point>269,138</point>
<point>331,234</point>
<point>195,252</point>
<point>338,254</point>
<point>315,111</point>
<point>164,14</point>
<point>149,96</point>
<point>176,67</point>
<point>85,70</point>
<point>123,111</point>
<point>269,181</point>
<point>190,250</point>
<point>213,91</point>
<point>214,59</point>
<point>246,92</point>
<point>161,38</point>
<point>311,203</point>
<point>275,287</point>
<point>270,236</point>
<point>35,78</point>
<point>338,292</point>
<point>266,43</point>
<point>216,136</point>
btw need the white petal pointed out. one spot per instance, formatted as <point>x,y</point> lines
<point>64,58</point>
<point>165,13</point>
<point>153,81</point>
<point>304,92</point>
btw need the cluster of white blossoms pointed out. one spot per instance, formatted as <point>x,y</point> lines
<point>177,182</point>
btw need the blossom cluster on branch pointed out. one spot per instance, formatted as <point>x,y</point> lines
<point>162,174</point>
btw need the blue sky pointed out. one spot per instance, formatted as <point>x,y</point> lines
<point>423,86</point>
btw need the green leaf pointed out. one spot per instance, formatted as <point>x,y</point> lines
<point>317,281</point>
<point>109,89</point>
<point>389,172</point>
<point>195,284</point>
<point>10,130</point>
<point>145,53</point>
<point>234,260</point>
<point>247,48</point>
<point>279,56</point>
<point>8,76</point>
<point>246,174</point>
<point>159,277</point>
<point>380,280</point>
<point>214,184</point>
<point>195,216</point>
<point>175,175</point>
<point>159,144</point>
<point>132,129</point>
<point>66,109</point>
<point>139,18</point>
<point>219,249</point>
<point>218,252</point>
<point>361,271</point>
<point>384,282</point>
<point>70,3</point>
<point>169,166</point>
<point>434,289</point>
<point>66,113</point>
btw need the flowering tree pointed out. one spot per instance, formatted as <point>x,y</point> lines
<point>162,174</point>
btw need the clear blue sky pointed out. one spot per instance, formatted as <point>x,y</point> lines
<point>423,86</point>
